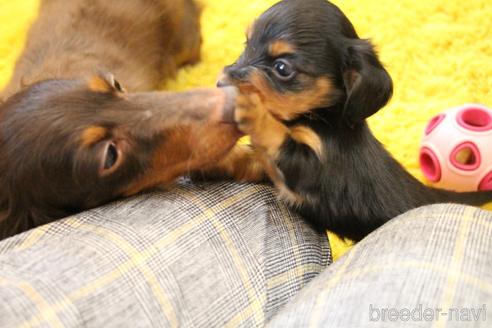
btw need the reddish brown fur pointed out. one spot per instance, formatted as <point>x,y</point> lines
<point>289,105</point>
<point>267,135</point>
<point>266,132</point>
<point>141,42</point>
<point>260,113</point>
<point>308,137</point>
<point>99,84</point>
<point>92,135</point>
<point>242,163</point>
<point>71,138</point>
<point>184,149</point>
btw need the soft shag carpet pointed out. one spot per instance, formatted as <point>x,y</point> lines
<point>439,54</point>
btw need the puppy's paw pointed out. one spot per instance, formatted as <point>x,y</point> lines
<point>250,113</point>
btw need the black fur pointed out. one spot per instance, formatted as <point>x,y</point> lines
<point>357,186</point>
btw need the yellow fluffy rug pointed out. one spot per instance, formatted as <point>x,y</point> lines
<point>439,54</point>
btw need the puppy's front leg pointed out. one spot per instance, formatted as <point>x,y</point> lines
<point>268,135</point>
<point>242,163</point>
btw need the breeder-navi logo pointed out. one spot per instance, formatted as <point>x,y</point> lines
<point>419,313</point>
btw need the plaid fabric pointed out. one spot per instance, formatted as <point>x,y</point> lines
<point>213,255</point>
<point>431,267</point>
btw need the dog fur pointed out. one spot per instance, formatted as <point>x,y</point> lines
<point>308,83</point>
<point>72,137</point>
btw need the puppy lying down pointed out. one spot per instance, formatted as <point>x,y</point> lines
<point>73,137</point>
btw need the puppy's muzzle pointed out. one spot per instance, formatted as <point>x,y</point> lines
<point>233,76</point>
<point>223,80</point>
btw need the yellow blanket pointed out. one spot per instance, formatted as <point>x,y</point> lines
<point>439,54</point>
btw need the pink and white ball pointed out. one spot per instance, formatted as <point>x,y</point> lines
<point>456,151</point>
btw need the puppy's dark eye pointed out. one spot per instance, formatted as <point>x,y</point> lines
<point>111,156</point>
<point>118,86</point>
<point>283,69</point>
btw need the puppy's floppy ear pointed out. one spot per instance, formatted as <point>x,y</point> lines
<point>14,221</point>
<point>14,217</point>
<point>11,225</point>
<point>368,85</point>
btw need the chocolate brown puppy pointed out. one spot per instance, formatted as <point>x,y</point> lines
<point>73,137</point>
<point>309,83</point>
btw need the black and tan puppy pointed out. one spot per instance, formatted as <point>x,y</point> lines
<point>309,82</point>
<point>72,138</point>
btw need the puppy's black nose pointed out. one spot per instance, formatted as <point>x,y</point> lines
<point>223,80</point>
<point>222,83</point>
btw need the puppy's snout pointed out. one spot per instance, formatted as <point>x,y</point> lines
<point>239,74</point>
<point>231,76</point>
<point>222,83</point>
<point>223,80</point>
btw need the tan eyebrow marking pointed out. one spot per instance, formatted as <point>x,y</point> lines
<point>279,47</point>
<point>92,135</point>
<point>99,84</point>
